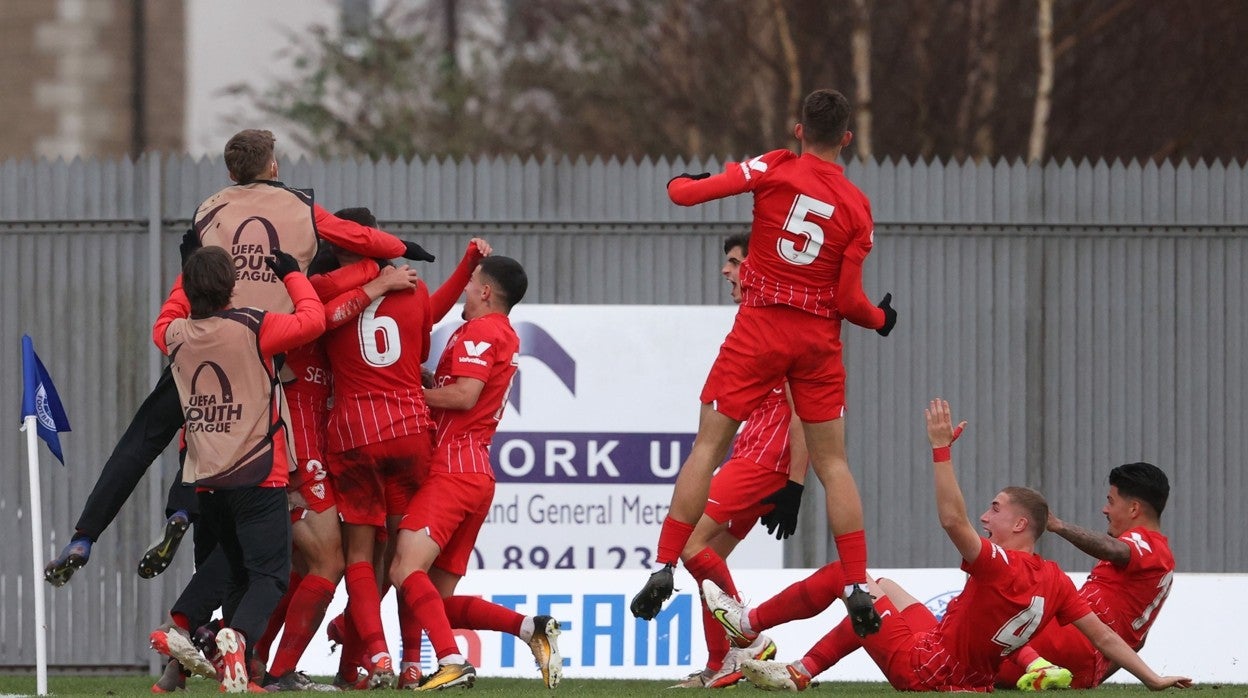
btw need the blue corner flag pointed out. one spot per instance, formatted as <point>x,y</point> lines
<point>39,398</point>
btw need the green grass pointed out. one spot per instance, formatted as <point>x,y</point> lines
<point>140,686</point>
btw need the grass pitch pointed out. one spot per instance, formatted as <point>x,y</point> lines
<point>141,686</point>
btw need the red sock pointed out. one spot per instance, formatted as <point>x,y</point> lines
<point>180,620</point>
<point>672,539</point>
<point>352,649</point>
<point>804,599</point>
<point>411,631</point>
<point>707,564</point>
<point>839,643</point>
<point>419,599</point>
<point>475,613</point>
<point>851,548</point>
<point>260,648</point>
<point>304,616</point>
<point>1024,656</point>
<point>364,609</point>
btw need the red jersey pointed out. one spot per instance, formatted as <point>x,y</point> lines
<point>375,360</point>
<point>764,440</point>
<point>1128,598</point>
<point>484,348</point>
<point>812,230</point>
<point>308,399</point>
<point>1008,597</point>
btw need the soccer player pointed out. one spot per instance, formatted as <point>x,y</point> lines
<point>236,449</point>
<point>1011,593</point>
<point>762,477</point>
<point>1126,589</point>
<point>380,439</point>
<point>440,527</point>
<point>250,219</point>
<point>317,565</point>
<point>811,233</point>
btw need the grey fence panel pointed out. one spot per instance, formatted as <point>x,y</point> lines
<point>1079,315</point>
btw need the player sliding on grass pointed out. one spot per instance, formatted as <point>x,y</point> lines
<point>1011,594</point>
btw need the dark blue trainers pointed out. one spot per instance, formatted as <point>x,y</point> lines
<point>63,566</point>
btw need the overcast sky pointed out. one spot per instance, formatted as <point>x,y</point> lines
<point>233,41</point>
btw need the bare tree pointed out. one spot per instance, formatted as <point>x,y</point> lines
<point>860,43</point>
<point>979,98</point>
<point>1044,82</point>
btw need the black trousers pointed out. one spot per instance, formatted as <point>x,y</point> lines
<point>155,424</point>
<point>206,590</point>
<point>251,526</point>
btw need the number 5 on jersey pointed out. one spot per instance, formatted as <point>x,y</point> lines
<point>806,236</point>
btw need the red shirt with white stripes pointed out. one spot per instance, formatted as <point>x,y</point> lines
<point>1128,598</point>
<point>764,439</point>
<point>811,233</point>
<point>375,360</point>
<point>308,399</point>
<point>485,348</point>
<point>1007,598</point>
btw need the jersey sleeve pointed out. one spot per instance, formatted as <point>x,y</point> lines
<point>992,561</point>
<point>443,299</point>
<point>344,278</point>
<point>282,331</point>
<point>357,238</point>
<point>473,354</point>
<point>1069,606</point>
<point>175,306</point>
<point>1143,558</point>
<point>737,178</point>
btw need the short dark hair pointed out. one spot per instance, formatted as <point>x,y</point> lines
<point>325,260</point>
<point>1143,481</point>
<point>741,240</point>
<point>509,277</point>
<point>247,153</point>
<point>825,117</point>
<point>358,214</point>
<point>208,280</point>
<point>1034,504</point>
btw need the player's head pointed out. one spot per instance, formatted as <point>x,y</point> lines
<point>356,214</point>
<point>249,156</point>
<point>208,280</point>
<point>1016,511</point>
<point>1135,490</point>
<point>325,260</point>
<point>497,284</point>
<point>736,247</point>
<point>825,120</point>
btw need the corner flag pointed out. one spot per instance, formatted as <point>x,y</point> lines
<point>39,399</point>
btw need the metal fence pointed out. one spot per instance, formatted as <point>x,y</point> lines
<point>1079,315</point>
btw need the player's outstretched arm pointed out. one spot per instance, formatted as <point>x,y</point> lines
<point>950,504</point>
<point>1118,652</point>
<point>1099,545</point>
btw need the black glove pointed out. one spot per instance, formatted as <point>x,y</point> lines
<point>782,519</point>
<point>282,264</point>
<point>190,243</point>
<point>686,175</point>
<point>417,252</point>
<point>890,315</point>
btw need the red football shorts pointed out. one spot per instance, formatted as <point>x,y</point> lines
<point>901,635</point>
<point>379,479</point>
<point>736,495</point>
<point>451,508</point>
<point>310,489</point>
<point>772,343</point>
<point>1066,647</point>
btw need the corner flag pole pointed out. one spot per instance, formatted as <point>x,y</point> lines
<point>30,426</point>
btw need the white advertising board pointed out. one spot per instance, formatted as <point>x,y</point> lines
<point>602,640</point>
<point>601,414</point>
